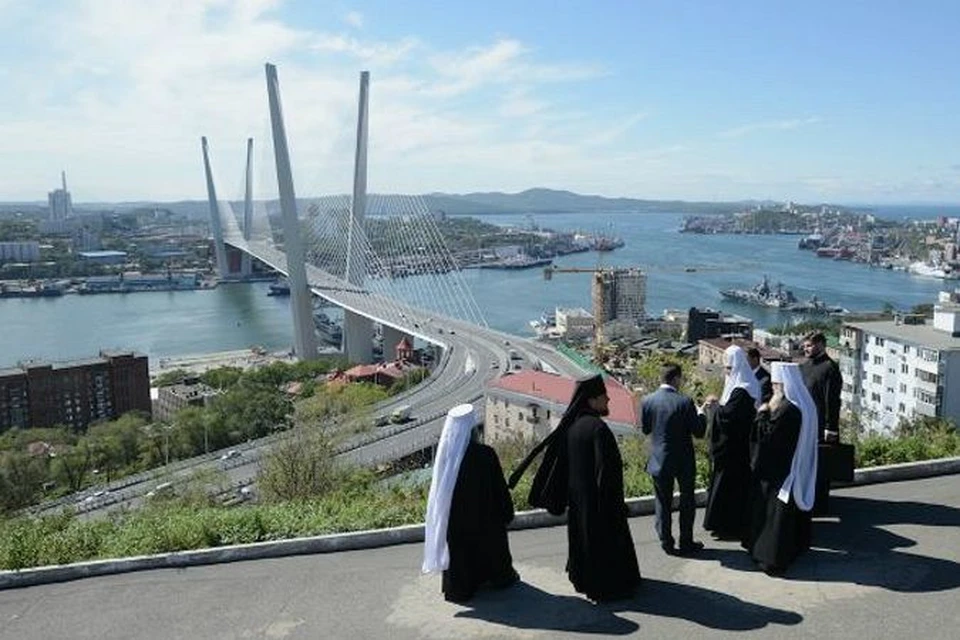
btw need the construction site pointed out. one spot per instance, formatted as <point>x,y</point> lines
<point>618,299</point>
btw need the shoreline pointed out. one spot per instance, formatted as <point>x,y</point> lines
<point>201,362</point>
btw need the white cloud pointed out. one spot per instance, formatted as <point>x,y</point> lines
<point>381,53</point>
<point>775,125</point>
<point>354,19</point>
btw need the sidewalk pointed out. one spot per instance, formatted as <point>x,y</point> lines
<point>888,568</point>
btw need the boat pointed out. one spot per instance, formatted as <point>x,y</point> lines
<point>279,288</point>
<point>812,241</point>
<point>605,243</point>
<point>42,290</point>
<point>762,295</point>
<point>933,271</point>
<point>328,330</point>
<point>520,261</point>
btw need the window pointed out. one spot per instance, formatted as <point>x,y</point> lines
<point>902,408</point>
<point>879,341</point>
<point>926,376</point>
<point>876,379</point>
<point>903,388</point>
<point>875,397</point>
<point>877,359</point>
<point>906,349</point>
<point>904,368</point>
<point>520,416</point>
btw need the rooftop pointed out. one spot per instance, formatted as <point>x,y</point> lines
<point>559,389</point>
<point>919,334</point>
<point>766,353</point>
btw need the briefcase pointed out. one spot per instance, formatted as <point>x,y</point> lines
<point>836,459</point>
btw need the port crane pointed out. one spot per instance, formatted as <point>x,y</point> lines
<point>597,295</point>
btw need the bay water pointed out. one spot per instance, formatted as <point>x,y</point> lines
<point>683,270</point>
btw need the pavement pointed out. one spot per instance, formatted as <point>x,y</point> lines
<point>886,566</point>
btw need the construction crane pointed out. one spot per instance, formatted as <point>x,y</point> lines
<point>597,295</point>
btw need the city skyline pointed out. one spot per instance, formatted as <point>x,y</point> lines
<point>652,101</point>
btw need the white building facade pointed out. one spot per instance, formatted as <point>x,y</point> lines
<point>901,369</point>
<point>574,324</point>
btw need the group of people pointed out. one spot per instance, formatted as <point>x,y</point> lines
<point>764,481</point>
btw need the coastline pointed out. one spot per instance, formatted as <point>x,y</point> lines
<point>198,363</point>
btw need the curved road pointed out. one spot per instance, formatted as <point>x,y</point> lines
<point>472,357</point>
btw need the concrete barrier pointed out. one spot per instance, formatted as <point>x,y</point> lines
<point>387,537</point>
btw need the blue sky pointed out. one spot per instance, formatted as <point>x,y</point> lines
<point>818,101</point>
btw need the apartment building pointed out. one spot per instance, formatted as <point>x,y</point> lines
<point>902,368</point>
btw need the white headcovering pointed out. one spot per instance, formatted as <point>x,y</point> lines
<point>741,375</point>
<point>802,480</point>
<point>457,431</point>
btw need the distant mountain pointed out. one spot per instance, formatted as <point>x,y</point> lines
<point>554,201</point>
<point>539,201</point>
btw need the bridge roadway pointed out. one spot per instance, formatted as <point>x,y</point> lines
<point>472,357</point>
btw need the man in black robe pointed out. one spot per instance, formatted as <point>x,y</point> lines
<point>784,467</point>
<point>480,511</point>
<point>824,382</point>
<point>730,421</point>
<point>468,510</point>
<point>766,387</point>
<point>582,471</point>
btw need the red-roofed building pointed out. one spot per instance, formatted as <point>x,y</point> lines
<point>384,373</point>
<point>530,403</point>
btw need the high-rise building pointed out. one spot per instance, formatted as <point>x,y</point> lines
<point>61,206</point>
<point>902,368</point>
<point>621,294</point>
<point>74,394</point>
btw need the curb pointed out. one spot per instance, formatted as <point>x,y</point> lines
<point>375,538</point>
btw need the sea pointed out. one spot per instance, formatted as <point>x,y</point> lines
<point>683,270</point>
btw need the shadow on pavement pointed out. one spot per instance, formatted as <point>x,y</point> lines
<point>524,606</point>
<point>857,550</point>
<point>705,607</point>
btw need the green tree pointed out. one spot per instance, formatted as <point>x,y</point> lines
<point>21,480</point>
<point>222,377</point>
<point>170,378</point>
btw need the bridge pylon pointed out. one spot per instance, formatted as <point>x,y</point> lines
<point>245,260</point>
<point>301,303</point>
<point>358,330</point>
<point>219,249</point>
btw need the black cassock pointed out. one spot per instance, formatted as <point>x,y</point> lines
<point>728,506</point>
<point>601,561</point>
<point>777,530</point>
<point>480,510</point>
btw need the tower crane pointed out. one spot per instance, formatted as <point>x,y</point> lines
<point>598,299</point>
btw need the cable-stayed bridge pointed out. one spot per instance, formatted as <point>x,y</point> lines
<point>381,259</point>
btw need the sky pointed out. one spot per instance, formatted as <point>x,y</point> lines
<point>850,101</point>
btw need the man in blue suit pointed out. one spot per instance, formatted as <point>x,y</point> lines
<point>673,421</point>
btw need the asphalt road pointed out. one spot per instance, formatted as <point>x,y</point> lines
<point>473,356</point>
<point>886,568</point>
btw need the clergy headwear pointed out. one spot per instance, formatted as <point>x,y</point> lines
<point>549,488</point>
<point>802,480</point>
<point>456,435</point>
<point>739,376</point>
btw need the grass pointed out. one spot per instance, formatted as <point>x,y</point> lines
<point>358,503</point>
